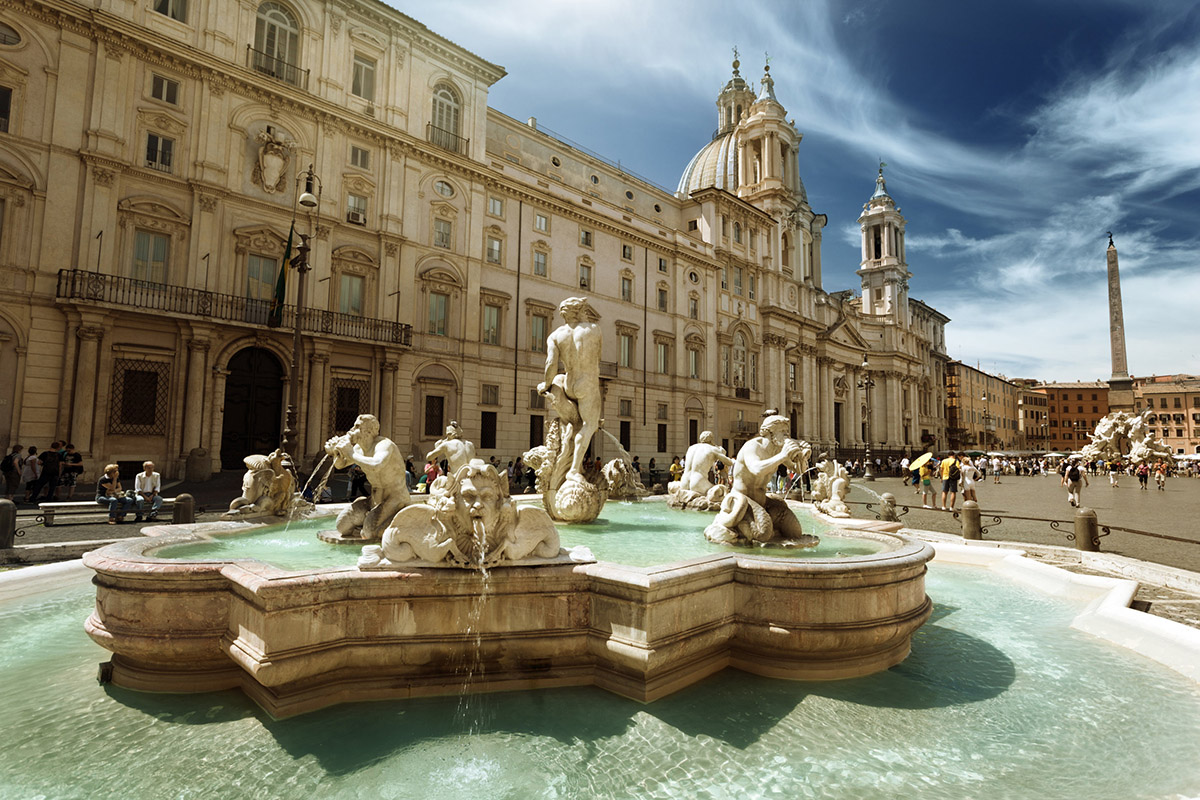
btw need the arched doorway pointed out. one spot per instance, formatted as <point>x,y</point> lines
<point>253,406</point>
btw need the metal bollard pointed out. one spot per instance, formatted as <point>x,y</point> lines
<point>1087,530</point>
<point>8,523</point>
<point>184,510</point>
<point>971,526</point>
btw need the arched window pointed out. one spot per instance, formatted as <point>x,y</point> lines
<point>739,360</point>
<point>445,125</point>
<point>277,42</point>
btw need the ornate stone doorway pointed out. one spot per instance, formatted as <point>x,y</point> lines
<point>253,406</point>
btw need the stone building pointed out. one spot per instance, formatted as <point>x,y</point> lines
<point>982,410</point>
<point>1033,421</point>
<point>1074,410</point>
<point>1174,401</point>
<point>151,158</point>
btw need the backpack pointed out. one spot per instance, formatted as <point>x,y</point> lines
<point>8,464</point>
<point>955,472</point>
<point>1073,474</point>
<point>50,460</point>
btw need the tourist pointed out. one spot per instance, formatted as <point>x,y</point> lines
<point>31,468</point>
<point>676,469</point>
<point>109,493</point>
<point>637,467</point>
<point>995,469</point>
<point>1074,477</point>
<point>926,478</point>
<point>410,475</point>
<point>1114,473</point>
<point>10,467</point>
<point>148,485</point>
<point>950,473</point>
<point>48,474</point>
<point>1160,476</point>
<point>358,483</point>
<point>1143,475</point>
<point>651,470</point>
<point>969,476</point>
<point>431,473</point>
<point>72,468</point>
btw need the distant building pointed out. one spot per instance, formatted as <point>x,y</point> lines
<point>1073,411</point>
<point>1174,401</point>
<point>149,157</point>
<point>982,410</point>
<point>1032,416</point>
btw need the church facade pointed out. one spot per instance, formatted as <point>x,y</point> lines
<point>151,159</point>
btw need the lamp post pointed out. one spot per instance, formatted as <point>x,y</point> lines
<point>865,384</point>
<point>311,202</point>
<point>987,420</point>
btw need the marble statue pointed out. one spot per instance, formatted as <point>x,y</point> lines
<point>474,523</point>
<point>456,451</point>
<point>268,488</point>
<point>887,508</point>
<point>381,460</point>
<point>623,481</point>
<point>694,489</point>
<point>831,487</point>
<point>575,396</point>
<point>1121,427</point>
<point>748,515</point>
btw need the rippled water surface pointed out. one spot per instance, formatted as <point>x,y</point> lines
<point>999,699</point>
<point>638,534</point>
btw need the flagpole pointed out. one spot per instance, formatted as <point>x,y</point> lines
<point>311,202</point>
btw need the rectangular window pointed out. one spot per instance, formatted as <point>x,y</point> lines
<point>625,408</point>
<point>537,428</point>
<point>151,256</point>
<point>585,237</point>
<point>164,89</point>
<point>435,406</point>
<point>360,157</point>
<point>585,276</point>
<point>439,307</point>
<point>496,206</point>
<point>539,263</point>
<point>489,394</point>
<point>538,326</point>
<point>693,225</point>
<point>753,239</point>
<point>491,324</point>
<point>139,397</point>
<point>662,265</point>
<point>724,277</point>
<point>662,299</point>
<point>442,231</point>
<point>662,438</point>
<point>662,411</point>
<point>627,252</point>
<point>159,150</point>
<point>364,78</point>
<point>753,286</point>
<point>792,376</point>
<point>350,294</point>
<point>737,280</point>
<point>627,289</point>
<point>1178,401</point>
<point>175,9</point>
<point>261,273</point>
<point>625,342</point>
<point>663,353</point>
<point>487,430</point>
<point>693,308</point>
<point>541,222</point>
<point>626,434</point>
<point>356,204</point>
<point>493,250</point>
<point>5,109</point>
<point>693,363</point>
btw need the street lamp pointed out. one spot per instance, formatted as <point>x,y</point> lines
<point>987,420</point>
<point>310,202</point>
<point>865,384</point>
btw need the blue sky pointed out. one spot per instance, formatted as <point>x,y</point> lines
<point>1016,134</point>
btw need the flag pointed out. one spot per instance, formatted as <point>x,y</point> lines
<point>275,315</point>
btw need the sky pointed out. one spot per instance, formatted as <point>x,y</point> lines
<point>1016,135</point>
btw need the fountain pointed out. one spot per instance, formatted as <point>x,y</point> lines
<point>693,489</point>
<point>383,463</point>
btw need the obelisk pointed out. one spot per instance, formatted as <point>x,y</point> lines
<point>1120,385</point>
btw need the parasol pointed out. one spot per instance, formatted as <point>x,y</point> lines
<point>919,461</point>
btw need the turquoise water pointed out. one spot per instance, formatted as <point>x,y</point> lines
<point>989,705</point>
<point>637,534</point>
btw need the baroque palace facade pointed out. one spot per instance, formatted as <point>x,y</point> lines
<point>150,163</point>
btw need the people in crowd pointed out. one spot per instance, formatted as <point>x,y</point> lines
<point>10,467</point>
<point>71,469</point>
<point>109,493</point>
<point>30,470</point>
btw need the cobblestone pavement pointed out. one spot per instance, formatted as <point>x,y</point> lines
<point>1174,512</point>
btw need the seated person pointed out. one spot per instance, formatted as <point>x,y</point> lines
<point>148,486</point>
<point>109,493</point>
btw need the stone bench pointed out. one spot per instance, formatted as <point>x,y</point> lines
<point>49,511</point>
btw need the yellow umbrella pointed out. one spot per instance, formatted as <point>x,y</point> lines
<point>919,461</point>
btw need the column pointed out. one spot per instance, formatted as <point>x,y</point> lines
<point>387,397</point>
<point>219,375</point>
<point>895,402</point>
<point>318,380</point>
<point>195,395</point>
<point>812,396</point>
<point>741,162</point>
<point>826,400</point>
<point>83,414</point>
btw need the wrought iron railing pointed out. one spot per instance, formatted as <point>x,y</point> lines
<point>276,67</point>
<point>447,140</point>
<point>96,287</point>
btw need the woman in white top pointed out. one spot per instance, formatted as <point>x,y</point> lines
<point>31,470</point>
<point>969,476</point>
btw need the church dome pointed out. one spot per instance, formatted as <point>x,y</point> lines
<point>714,166</point>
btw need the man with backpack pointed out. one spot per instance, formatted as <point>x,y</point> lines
<point>950,475</point>
<point>1074,477</point>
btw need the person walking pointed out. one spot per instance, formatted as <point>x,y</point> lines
<point>30,470</point>
<point>1160,476</point>
<point>72,468</point>
<point>926,478</point>
<point>1143,476</point>
<point>1074,478</point>
<point>10,467</point>
<point>1114,473</point>
<point>995,469</point>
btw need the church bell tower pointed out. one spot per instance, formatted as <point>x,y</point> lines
<point>883,269</point>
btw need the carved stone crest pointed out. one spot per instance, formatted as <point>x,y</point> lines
<point>274,156</point>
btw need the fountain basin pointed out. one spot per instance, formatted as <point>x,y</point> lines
<point>295,641</point>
